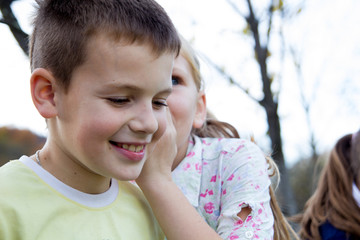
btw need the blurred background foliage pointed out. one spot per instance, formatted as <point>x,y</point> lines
<point>16,142</point>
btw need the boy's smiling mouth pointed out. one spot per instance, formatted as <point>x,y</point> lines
<point>131,151</point>
<point>129,147</point>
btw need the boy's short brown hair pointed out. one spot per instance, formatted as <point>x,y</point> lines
<point>63,28</point>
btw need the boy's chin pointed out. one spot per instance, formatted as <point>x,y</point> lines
<point>128,176</point>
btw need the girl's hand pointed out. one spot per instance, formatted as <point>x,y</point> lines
<point>177,217</point>
<point>158,165</point>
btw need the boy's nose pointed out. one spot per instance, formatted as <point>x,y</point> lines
<point>144,121</point>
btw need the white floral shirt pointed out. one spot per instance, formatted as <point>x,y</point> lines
<point>219,177</point>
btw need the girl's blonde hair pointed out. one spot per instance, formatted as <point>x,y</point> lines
<point>215,128</point>
<point>333,200</point>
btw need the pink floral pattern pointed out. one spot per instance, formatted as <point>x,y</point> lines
<point>220,177</point>
<point>209,207</point>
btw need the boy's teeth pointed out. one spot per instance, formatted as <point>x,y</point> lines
<point>139,148</point>
<point>133,148</point>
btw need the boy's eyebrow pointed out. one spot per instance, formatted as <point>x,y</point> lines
<point>134,88</point>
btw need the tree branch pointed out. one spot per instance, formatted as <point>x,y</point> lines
<point>271,10</point>
<point>261,54</point>
<point>306,104</point>
<point>229,78</point>
<point>10,20</point>
<point>236,9</point>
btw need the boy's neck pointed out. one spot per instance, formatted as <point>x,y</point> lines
<point>71,173</point>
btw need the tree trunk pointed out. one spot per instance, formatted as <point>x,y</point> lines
<point>284,193</point>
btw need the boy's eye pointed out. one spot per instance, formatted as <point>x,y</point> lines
<point>160,103</point>
<point>175,80</point>
<point>118,100</point>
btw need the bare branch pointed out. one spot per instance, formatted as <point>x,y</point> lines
<point>229,78</point>
<point>261,54</point>
<point>271,13</point>
<point>305,102</point>
<point>10,20</point>
<point>236,9</point>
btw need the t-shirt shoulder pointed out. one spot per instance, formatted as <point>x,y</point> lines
<point>21,172</point>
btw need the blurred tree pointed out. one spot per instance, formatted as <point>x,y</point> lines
<point>261,39</point>
<point>14,143</point>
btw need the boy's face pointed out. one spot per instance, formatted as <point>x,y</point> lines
<point>114,108</point>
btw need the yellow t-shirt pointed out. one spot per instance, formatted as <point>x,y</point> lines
<point>36,205</point>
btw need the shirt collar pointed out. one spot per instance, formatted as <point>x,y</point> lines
<point>187,175</point>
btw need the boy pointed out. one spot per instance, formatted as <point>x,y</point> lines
<point>101,73</point>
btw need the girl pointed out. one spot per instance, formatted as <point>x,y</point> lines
<point>225,178</point>
<point>333,212</point>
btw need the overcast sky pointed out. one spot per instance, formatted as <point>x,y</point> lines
<point>325,34</point>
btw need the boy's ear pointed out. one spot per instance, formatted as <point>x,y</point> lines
<point>200,114</point>
<point>42,85</point>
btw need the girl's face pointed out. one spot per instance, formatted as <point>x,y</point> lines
<point>187,105</point>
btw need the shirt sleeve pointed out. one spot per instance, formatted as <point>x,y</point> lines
<point>245,183</point>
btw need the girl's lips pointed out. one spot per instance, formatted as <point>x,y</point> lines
<point>133,152</point>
